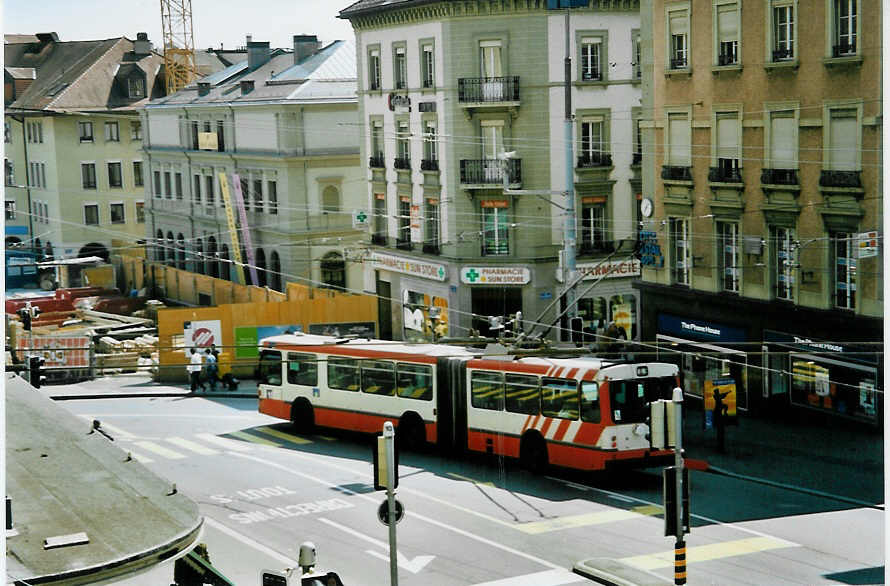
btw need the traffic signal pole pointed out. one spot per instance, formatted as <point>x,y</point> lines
<point>389,436</point>
<point>680,544</point>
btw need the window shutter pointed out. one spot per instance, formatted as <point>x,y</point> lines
<point>678,23</point>
<point>783,139</point>
<point>727,22</point>
<point>727,136</point>
<point>680,153</point>
<point>843,141</point>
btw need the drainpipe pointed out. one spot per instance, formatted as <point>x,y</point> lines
<point>27,182</point>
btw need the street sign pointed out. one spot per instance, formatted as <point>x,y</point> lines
<point>383,512</point>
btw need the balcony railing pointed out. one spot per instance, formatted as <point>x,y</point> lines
<point>678,63</point>
<point>637,159</point>
<point>779,176</point>
<point>431,247</point>
<point>843,50</point>
<point>402,163</point>
<point>404,244</point>
<point>724,175</point>
<point>591,76</point>
<point>784,54</point>
<point>675,173</point>
<point>429,165</point>
<point>488,89</point>
<point>840,179</point>
<point>376,161</point>
<point>489,171</point>
<point>727,59</point>
<point>729,53</point>
<point>594,160</point>
<point>379,239</point>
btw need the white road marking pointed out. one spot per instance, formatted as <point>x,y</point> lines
<point>160,450</point>
<point>190,445</point>
<point>223,442</point>
<point>254,544</point>
<point>548,578</point>
<point>413,566</point>
<point>115,432</point>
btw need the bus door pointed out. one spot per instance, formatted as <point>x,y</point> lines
<point>451,409</point>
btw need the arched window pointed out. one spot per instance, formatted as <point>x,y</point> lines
<point>180,251</point>
<point>275,271</point>
<point>95,249</point>
<point>199,256</point>
<point>330,199</point>
<point>224,264</point>
<point>170,250</point>
<point>333,271</point>
<point>159,246</point>
<point>261,267</point>
<point>213,263</point>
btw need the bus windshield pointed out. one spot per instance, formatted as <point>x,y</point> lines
<point>630,398</point>
<point>270,368</point>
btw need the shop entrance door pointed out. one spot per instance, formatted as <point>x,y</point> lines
<point>384,310</point>
<point>494,301</point>
<point>700,363</point>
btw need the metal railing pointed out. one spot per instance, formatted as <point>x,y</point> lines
<point>489,171</point>
<point>376,161</point>
<point>429,165</point>
<point>779,176</point>
<point>488,89</point>
<point>840,179</point>
<point>402,163</point>
<point>675,173</point>
<point>594,160</point>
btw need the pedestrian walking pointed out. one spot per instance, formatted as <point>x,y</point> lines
<point>194,369</point>
<point>211,368</point>
<point>720,413</point>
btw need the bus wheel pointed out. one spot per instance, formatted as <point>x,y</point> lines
<point>302,417</point>
<point>411,433</point>
<point>533,454</point>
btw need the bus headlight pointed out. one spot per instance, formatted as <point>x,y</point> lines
<point>640,429</point>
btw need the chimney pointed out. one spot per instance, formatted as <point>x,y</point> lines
<point>203,88</point>
<point>246,86</point>
<point>304,46</point>
<point>257,54</point>
<point>142,46</point>
<point>46,38</point>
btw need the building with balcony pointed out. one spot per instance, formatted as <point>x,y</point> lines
<point>281,126</point>
<point>762,158</point>
<point>445,90</point>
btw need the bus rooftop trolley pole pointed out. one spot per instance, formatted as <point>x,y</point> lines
<point>680,544</point>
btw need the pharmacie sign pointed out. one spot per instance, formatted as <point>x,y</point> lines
<point>495,275</point>
<point>610,270</point>
<point>427,270</point>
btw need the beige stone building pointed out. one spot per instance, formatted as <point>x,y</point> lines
<point>762,161</point>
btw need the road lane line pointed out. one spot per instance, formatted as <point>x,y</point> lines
<point>373,500</point>
<point>546,578</point>
<point>190,445</point>
<point>160,450</point>
<point>573,521</point>
<point>282,435</point>
<point>254,544</point>
<point>223,442</point>
<point>704,553</point>
<point>253,439</point>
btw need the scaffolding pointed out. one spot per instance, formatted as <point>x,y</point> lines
<point>179,44</point>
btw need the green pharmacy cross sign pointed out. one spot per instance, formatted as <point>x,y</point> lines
<point>359,219</point>
<point>472,275</point>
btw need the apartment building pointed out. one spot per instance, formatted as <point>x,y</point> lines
<point>284,123</point>
<point>460,230</point>
<point>762,157</point>
<point>73,142</point>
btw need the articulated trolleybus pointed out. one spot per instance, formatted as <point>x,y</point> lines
<point>581,413</point>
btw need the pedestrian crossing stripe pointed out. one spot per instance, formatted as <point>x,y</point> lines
<point>294,439</point>
<point>159,450</point>
<point>573,521</point>
<point>649,510</point>
<point>704,553</point>
<point>253,439</point>
<point>193,446</point>
<point>223,442</point>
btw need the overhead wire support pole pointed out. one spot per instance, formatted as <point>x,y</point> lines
<point>569,235</point>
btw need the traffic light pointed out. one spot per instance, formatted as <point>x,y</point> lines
<point>670,502</point>
<point>577,326</point>
<point>26,318</point>
<point>35,368</point>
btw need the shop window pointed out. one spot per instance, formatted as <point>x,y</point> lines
<point>418,325</point>
<point>844,260</point>
<point>487,390</point>
<point>343,374</point>
<point>302,369</point>
<point>559,398</point>
<point>414,381</point>
<point>597,313</point>
<point>845,389</point>
<point>521,394</point>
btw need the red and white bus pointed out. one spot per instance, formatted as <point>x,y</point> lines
<point>581,413</point>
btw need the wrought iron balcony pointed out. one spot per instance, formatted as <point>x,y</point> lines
<point>779,176</point>
<point>431,247</point>
<point>637,159</point>
<point>594,160</point>
<point>427,83</point>
<point>841,179</point>
<point>678,63</point>
<point>475,90</point>
<point>784,54</point>
<point>727,59</point>
<point>404,244</point>
<point>727,171</point>
<point>401,84</point>
<point>675,173</point>
<point>843,50</point>
<point>489,171</point>
<point>376,161</point>
<point>374,86</point>
<point>379,239</point>
<point>591,76</point>
<point>429,165</point>
<point>402,163</point>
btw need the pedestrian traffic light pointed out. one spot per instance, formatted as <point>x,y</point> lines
<point>35,368</point>
<point>670,502</point>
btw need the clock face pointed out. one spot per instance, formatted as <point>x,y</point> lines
<point>646,207</point>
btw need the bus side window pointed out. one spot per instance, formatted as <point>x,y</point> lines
<point>302,369</point>
<point>559,398</point>
<point>414,381</point>
<point>270,368</point>
<point>522,394</point>
<point>343,374</point>
<point>590,402</point>
<point>378,377</point>
<point>487,390</point>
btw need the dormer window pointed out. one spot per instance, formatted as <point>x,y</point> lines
<point>136,87</point>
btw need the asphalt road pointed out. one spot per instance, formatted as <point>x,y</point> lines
<point>473,521</point>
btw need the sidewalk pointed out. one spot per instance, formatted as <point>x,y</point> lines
<point>122,386</point>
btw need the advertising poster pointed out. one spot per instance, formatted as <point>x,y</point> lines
<point>726,388</point>
<point>201,334</point>
<point>623,317</point>
<point>247,338</point>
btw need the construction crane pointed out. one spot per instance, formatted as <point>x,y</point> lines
<point>179,44</point>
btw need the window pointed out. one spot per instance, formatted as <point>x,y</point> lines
<point>376,143</point>
<point>487,390</point>
<point>35,132</point>
<point>302,369</point>
<point>7,132</point>
<point>728,257</point>
<point>85,130</point>
<point>593,223</point>
<point>728,145</point>
<point>140,212</point>
<point>782,244</point>
<point>333,271</point>
<point>245,191</point>
<point>196,189</point>
<point>135,130</point>
<point>591,61</point>
<point>88,174</point>
<point>37,175</point>
<point>427,69</point>
<point>431,223</point>
<point>638,139</point>
<point>137,173</point>
<point>272,191</point>
<point>414,381</point>
<point>115,179</point>
<point>136,87</point>
<point>380,230</point>
<point>844,260</point>
<point>494,229</point>
<point>783,140</point>
<point>8,173</point>
<point>194,128</point>
<point>258,195</point>
<point>727,24</point>
<point>638,55</point>
<point>522,394</point>
<point>404,234</point>
<point>343,374</point>
<point>209,194</point>
<point>168,183</point>
<point>590,402</point>
<point>158,191</point>
<point>374,69</point>
<point>91,214</point>
<point>845,23</point>
<point>843,140</point>
<point>178,184</point>
<point>430,145</point>
<point>403,146</point>
<point>9,209</point>
<point>400,69</point>
<point>492,146</point>
<point>220,136</point>
<point>681,253</point>
<point>592,142</point>
<point>378,377</point>
<point>783,30</point>
<point>680,137</point>
<point>270,368</point>
<point>678,38</point>
<point>112,132</point>
<point>559,398</point>
<point>117,213</point>
<point>330,199</point>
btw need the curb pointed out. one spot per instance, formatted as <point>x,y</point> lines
<point>615,573</point>
<point>149,395</point>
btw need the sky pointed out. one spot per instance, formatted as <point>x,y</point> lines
<point>215,22</point>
